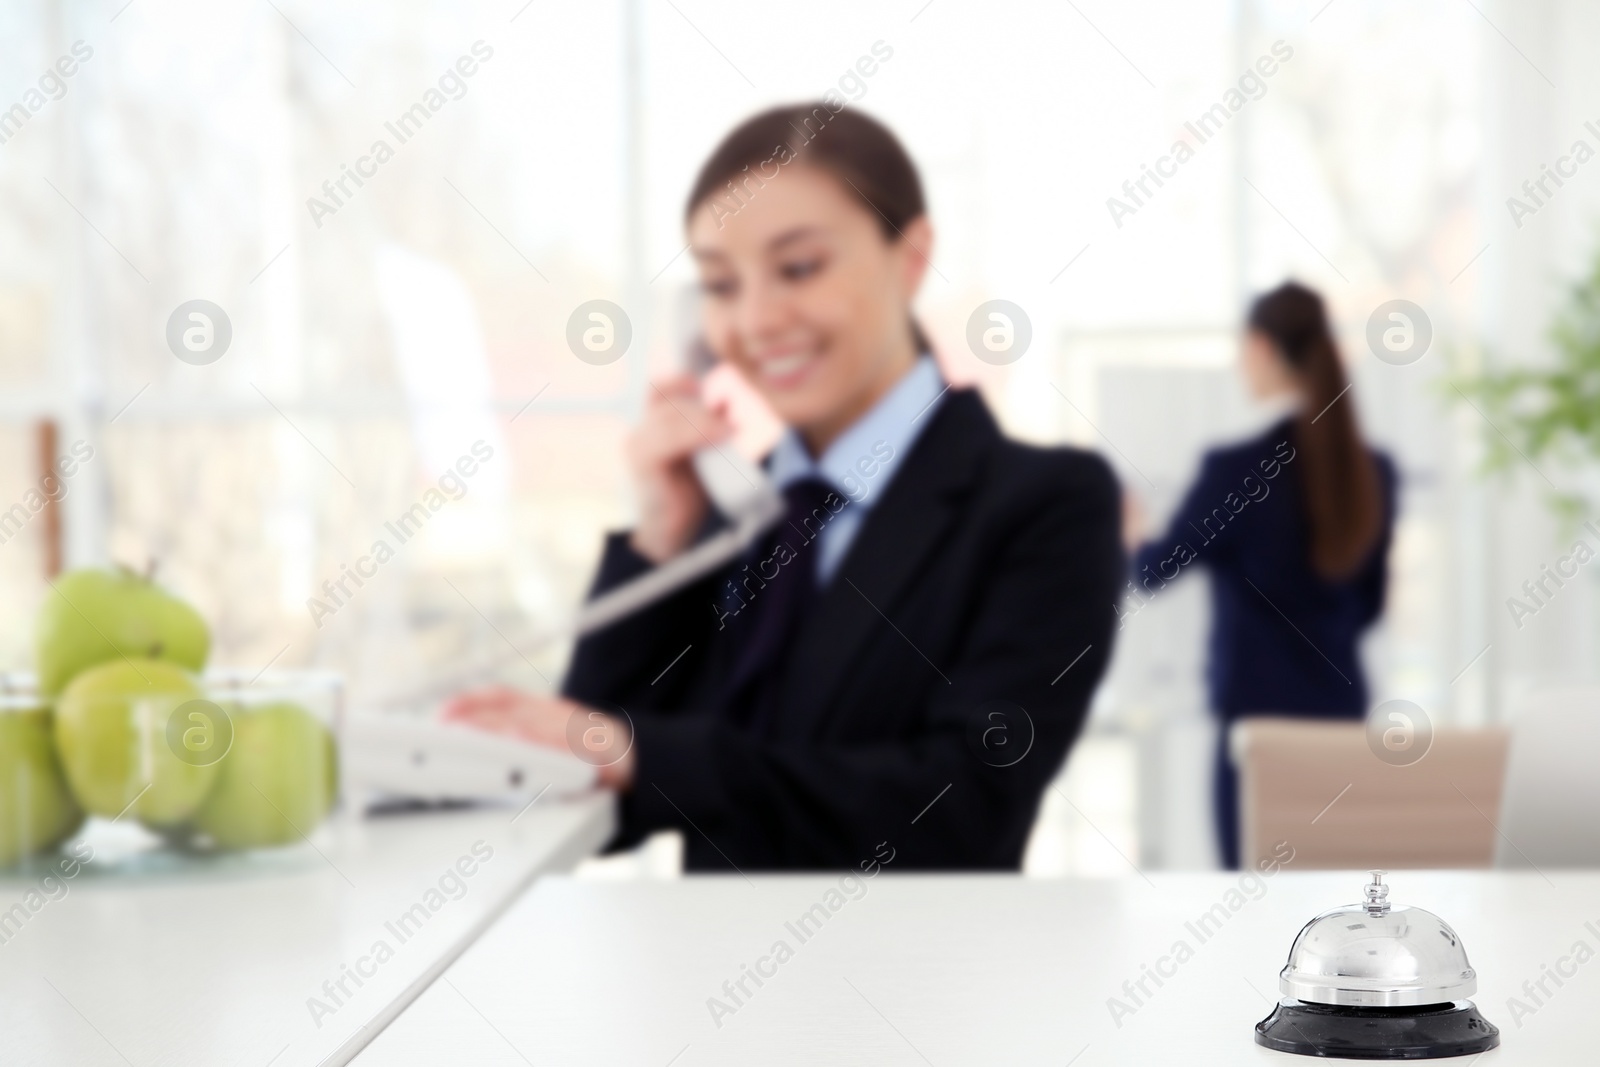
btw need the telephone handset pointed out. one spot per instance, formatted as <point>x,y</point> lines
<point>738,488</point>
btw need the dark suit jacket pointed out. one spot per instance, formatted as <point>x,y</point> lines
<point>1283,638</point>
<point>984,571</point>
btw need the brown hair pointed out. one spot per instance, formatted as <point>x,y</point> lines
<point>860,151</point>
<point>1343,502</point>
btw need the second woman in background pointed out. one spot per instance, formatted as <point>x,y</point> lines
<point>1294,527</point>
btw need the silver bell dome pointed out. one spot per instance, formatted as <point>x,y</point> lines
<point>1373,954</point>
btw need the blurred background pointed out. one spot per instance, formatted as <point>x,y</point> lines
<point>380,333</point>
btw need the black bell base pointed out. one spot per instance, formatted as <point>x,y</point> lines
<point>1431,1031</point>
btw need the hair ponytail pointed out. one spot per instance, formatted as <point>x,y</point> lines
<point>1339,478</point>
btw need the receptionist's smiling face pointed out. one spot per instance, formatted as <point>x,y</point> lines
<point>806,297</point>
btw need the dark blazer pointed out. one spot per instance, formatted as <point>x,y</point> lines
<point>986,569</point>
<point>1283,639</point>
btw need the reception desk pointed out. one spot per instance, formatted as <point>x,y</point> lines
<point>925,970</point>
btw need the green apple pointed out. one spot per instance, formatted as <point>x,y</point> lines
<point>332,756</point>
<point>276,782</point>
<point>112,730</point>
<point>92,616</point>
<point>37,810</point>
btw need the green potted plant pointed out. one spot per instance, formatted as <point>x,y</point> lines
<point>1549,412</point>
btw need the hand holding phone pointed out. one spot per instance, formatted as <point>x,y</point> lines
<point>683,461</point>
<point>672,500</point>
<point>739,488</point>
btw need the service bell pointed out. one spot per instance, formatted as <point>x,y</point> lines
<point>1372,981</point>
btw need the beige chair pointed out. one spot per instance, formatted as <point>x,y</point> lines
<point>1319,787</point>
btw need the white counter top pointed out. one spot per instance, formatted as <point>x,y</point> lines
<point>216,965</point>
<point>960,970</point>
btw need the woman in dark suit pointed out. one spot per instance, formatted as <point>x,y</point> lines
<point>896,663</point>
<point>1294,527</point>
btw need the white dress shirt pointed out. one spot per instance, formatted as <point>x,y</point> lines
<point>862,461</point>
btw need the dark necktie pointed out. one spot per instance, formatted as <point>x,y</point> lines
<point>777,584</point>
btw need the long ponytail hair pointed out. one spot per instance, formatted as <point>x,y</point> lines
<point>1343,500</point>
